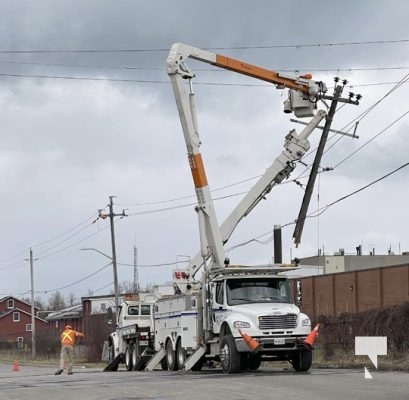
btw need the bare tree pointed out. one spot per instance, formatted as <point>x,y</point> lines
<point>72,300</point>
<point>38,302</point>
<point>56,301</point>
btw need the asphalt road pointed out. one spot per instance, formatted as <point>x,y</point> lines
<point>37,382</point>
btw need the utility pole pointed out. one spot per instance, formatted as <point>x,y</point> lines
<point>33,322</point>
<point>111,216</point>
<point>335,99</point>
<point>135,270</point>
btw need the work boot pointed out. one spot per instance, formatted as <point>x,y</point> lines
<point>59,371</point>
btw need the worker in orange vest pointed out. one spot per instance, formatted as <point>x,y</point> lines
<point>68,339</point>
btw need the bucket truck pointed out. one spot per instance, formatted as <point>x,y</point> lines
<point>212,318</point>
<point>234,314</point>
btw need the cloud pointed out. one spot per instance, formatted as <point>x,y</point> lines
<point>68,144</point>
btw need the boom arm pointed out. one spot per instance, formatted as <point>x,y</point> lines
<point>295,147</point>
<point>180,52</point>
<point>211,237</point>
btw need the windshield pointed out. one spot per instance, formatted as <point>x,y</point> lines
<point>261,290</point>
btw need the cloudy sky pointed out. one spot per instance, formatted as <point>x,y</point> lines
<point>87,112</point>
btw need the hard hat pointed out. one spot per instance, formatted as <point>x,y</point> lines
<point>68,327</point>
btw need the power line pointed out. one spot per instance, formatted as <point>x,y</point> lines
<point>356,120</point>
<point>64,233</point>
<point>321,210</point>
<point>372,139</point>
<point>160,68</point>
<point>161,82</point>
<point>76,282</point>
<point>249,47</point>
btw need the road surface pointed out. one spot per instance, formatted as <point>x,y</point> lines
<point>40,383</point>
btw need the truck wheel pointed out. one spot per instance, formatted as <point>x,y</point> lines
<point>302,360</point>
<point>170,357</point>
<point>254,362</point>
<point>136,358</point>
<point>128,357</point>
<point>180,355</point>
<point>229,356</point>
<point>250,361</point>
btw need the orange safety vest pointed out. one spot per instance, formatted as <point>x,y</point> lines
<point>68,337</point>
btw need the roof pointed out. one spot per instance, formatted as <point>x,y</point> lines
<point>70,312</point>
<point>16,298</point>
<point>21,311</point>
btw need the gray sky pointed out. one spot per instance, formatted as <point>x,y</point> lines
<point>68,144</point>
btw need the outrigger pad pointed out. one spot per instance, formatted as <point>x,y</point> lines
<point>113,365</point>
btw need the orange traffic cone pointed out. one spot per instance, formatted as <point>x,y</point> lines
<point>16,367</point>
<point>310,339</point>
<point>252,343</point>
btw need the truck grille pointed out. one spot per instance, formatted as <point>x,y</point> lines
<point>287,321</point>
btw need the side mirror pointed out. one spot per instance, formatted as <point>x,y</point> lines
<point>110,316</point>
<point>299,293</point>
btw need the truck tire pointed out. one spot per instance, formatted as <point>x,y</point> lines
<point>128,357</point>
<point>136,358</point>
<point>180,355</point>
<point>302,360</point>
<point>170,357</point>
<point>250,361</point>
<point>230,359</point>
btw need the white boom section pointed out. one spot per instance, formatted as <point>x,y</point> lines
<point>207,215</point>
<point>294,149</point>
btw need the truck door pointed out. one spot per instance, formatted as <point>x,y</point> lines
<point>218,309</point>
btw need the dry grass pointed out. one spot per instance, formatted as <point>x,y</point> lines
<point>347,359</point>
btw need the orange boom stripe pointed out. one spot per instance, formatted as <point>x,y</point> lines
<point>256,72</point>
<point>198,171</point>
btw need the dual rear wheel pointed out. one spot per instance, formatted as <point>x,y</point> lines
<point>174,360</point>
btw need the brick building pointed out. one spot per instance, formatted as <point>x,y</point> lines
<point>15,321</point>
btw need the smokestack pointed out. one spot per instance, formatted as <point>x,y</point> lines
<point>278,247</point>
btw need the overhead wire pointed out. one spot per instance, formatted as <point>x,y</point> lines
<point>218,70</point>
<point>357,119</point>
<point>74,283</point>
<point>248,47</point>
<point>321,210</point>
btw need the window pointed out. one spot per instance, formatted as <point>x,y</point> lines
<point>103,306</point>
<point>10,303</point>
<point>16,316</point>
<point>145,309</point>
<point>133,310</point>
<point>258,291</point>
<point>28,328</point>
<point>219,292</point>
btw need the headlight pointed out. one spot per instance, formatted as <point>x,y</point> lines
<point>306,322</point>
<point>241,324</point>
